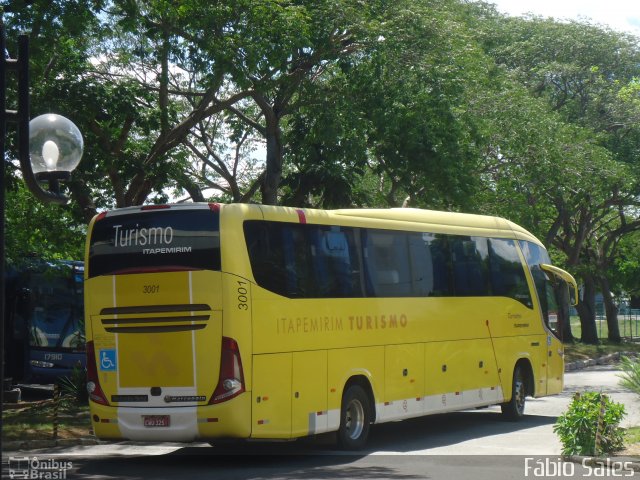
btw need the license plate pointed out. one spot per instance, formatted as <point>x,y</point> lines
<point>155,420</point>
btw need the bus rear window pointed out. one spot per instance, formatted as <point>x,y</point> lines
<point>155,240</point>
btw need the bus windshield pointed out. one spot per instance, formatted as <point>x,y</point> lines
<point>56,319</point>
<point>44,320</point>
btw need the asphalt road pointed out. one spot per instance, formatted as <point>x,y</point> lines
<point>472,444</point>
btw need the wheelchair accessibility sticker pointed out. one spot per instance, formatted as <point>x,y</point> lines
<point>108,360</point>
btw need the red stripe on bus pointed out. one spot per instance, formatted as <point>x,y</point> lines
<point>155,207</point>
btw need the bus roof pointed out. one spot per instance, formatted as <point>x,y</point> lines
<point>395,218</point>
<point>436,217</point>
<point>414,218</point>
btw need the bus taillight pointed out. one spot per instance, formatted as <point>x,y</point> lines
<point>93,383</point>
<point>231,379</point>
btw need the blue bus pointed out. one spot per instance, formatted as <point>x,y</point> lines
<point>44,321</point>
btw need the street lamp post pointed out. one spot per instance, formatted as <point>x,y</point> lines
<point>49,148</point>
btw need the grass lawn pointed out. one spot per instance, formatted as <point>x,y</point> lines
<point>632,435</point>
<point>34,420</point>
<point>629,327</point>
<point>632,441</point>
<point>629,330</point>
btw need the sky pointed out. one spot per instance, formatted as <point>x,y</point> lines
<point>622,15</point>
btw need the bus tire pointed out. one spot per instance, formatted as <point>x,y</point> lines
<point>355,419</point>
<point>513,410</point>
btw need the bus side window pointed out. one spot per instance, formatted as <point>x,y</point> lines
<point>545,288</point>
<point>421,264</point>
<point>387,264</point>
<point>507,272</point>
<point>265,246</point>
<point>296,265</point>
<point>470,266</point>
<point>442,275</point>
<point>335,262</point>
<point>551,311</point>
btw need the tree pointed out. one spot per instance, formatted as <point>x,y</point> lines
<point>153,73</point>
<point>571,67</point>
<point>224,159</point>
<point>46,231</point>
<point>286,46</point>
<point>554,178</point>
<point>398,110</point>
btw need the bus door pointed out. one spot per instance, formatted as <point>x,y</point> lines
<point>555,361</point>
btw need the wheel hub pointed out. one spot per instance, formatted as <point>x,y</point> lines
<point>354,419</point>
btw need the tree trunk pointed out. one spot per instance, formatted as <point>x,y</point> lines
<point>194,191</point>
<point>587,311</point>
<point>273,174</point>
<point>611,311</point>
<point>82,195</point>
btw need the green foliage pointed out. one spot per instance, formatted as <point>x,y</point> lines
<point>576,184</point>
<point>630,376</point>
<point>577,427</point>
<point>75,385</point>
<point>50,232</point>
<point>627,266</point>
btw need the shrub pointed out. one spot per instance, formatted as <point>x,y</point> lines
<point>630,376</point>
<point>75,385</point>
<point>577,426</point>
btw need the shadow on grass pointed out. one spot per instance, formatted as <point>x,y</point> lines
<point>34,420</point>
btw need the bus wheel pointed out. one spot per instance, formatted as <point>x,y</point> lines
<point>355,419</point>
<point>514,409</point>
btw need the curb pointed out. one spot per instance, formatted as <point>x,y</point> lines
<point>604,360</point>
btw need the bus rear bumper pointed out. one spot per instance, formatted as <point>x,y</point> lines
<point>173,424</point>
<point>178,424</point>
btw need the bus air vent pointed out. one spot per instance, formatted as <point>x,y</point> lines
<point>157,319</point>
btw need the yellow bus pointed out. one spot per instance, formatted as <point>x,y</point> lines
<point>209,321</point>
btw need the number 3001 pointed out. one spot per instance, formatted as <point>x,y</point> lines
<point>242,296</point>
